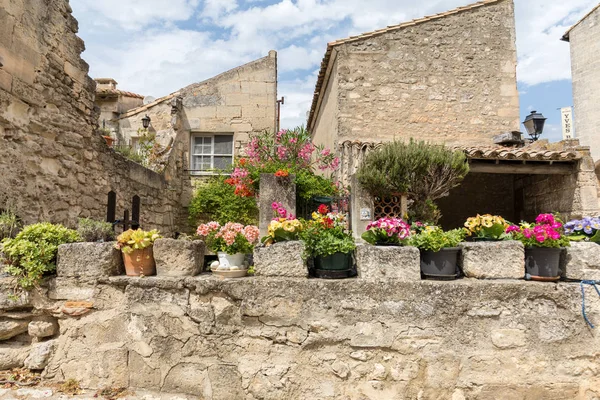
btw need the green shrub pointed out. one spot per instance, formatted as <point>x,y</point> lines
<point>32,253</point>
<point>215,200</point>
<point>10,224</point>
<point>424,171</point>
<point>435,239</point>
<point>95,231</point>
<point>309,185</point>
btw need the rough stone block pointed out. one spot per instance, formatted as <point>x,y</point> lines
<point>493,260</point>
<point>10,328</point>
<point>89,260</point>
<point>280,259</point>
<point>179,257</point>
<point>43,328</point>
<point>400,263</point>
<point>13,356</point>
<point>581,261</point>
<point>40,355</point>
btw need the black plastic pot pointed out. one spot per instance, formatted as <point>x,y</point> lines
<point>542,264</point>
<point>441,264</point>
<point>335,266</point>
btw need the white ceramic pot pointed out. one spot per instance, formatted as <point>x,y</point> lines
<point>231,260</point>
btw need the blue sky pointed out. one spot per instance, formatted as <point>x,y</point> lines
<point>155,47</point>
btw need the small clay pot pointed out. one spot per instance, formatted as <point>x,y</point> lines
<point>140,262</point>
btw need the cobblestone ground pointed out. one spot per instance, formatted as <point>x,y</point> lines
<point>53,394</point>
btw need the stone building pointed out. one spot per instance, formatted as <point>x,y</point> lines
<point>55,165</point>
<point>113,102</point>
<point>215,117</point>
<point>449,78</point>
<point>584,39</point>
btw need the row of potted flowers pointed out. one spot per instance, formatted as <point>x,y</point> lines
<point>329,246</point>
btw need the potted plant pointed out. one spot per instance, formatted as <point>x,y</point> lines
<point>231,242</point>
<point>439,251</point>
<point>387,232</point>
<point>136,246</point>
<point>543,241</point>
<point>585,229</point>
<point>284,227</point>
<point>487,228</point>
<point>329,244</point>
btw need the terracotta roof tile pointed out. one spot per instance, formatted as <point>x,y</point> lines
<point>331,45</point>
<point>492,152</point>
<point>106,91</point>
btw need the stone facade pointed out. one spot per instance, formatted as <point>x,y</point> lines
<point>235,103</point>
<point>285,338</point>
<point>493,260</point>
<point>113,102</point>
<point>55,166</point>
<point>584,39</point>
<point>446,78</point>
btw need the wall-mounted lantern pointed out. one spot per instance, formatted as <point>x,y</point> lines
<point>146,121</point>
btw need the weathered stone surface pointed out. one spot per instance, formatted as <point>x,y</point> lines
<point>188,378</point>
<point>88,260</point>
<point>493,260</point>
<point>43,328</point>
<point>508,338</point>
<point>581,261</point>
<point>12,327</point>
<point>8,301</point>
<point>40,355</point>
<point>225,382</point>
<point>13,356</point>
<point>275,189</point>
<point>399,263</point>
<point>178,257</point>
<point>280,259</point>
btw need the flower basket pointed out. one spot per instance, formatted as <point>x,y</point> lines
<point>542,264</point>
<point>441,264</point>
<point>140,262</point>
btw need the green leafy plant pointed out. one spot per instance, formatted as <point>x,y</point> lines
<point>215,200</point>
<point>434,239</point>
<point>95,231</point>
<point>130,153</point>
<point>10,224</point>
<point>424,171</point>
<point>32,253</point>
<point>326,234</point>
<point>138,239</point>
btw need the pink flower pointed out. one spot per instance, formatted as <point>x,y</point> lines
<point>527,233</point>
<point>512,228</point>
<point>545,219</point>
<point>281,211</point>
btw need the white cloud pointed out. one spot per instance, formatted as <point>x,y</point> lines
<point>156,47</point>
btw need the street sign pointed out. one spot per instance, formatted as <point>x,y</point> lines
<point>566,116</point>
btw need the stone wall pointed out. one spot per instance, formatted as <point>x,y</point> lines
<point>445,79</point>
<point>585,69</point>
<point>278,338</point>
<point>55,166</point>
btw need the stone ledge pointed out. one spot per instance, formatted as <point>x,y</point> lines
<point>493,260</point>
<point>581,261</point>
<point>88,260</point>
<point>280,259</point>
<point>178,258</point>
<point>397,263</point>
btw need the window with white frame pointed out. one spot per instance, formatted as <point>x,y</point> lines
<point>211,153</point>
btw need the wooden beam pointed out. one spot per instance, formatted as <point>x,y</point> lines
<point>525,169</point>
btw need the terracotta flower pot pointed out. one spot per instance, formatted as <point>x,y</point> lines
<point>140,262</point>
<point>109,140</point>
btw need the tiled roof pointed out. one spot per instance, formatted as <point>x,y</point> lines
<point>519,153</point>
<point>331,45</point>
<point>105,91</point>
<point>527,153</point>
<point>567,33</point>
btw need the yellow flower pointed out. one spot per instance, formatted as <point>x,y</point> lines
<point>288,226</point>
<point>487,221</point>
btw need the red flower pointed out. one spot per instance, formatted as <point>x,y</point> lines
<point>232,181</point>
<point>328,222</point>
<point>282,173</point>
<point>323,209</point>
<point>242,162</point>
